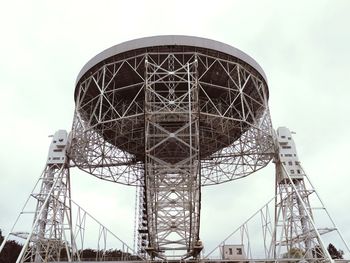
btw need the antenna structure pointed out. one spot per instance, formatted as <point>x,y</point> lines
<point>170,114</point>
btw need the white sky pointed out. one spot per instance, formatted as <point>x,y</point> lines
<point>303,46</point>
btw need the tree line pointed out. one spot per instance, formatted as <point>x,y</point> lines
<point>12,250</point>
<point>316,252</point>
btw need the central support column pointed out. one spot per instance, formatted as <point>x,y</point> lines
<point>172,164</point>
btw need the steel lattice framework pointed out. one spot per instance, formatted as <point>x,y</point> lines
<point>294,226</point>
<point>171,113</point>
<point>172,153</point>
<point>53,217</point>
<point>61,229</point>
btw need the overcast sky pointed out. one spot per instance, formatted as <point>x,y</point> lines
<point>303,46</point>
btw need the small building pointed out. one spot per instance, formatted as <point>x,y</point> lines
<point>233,252</point>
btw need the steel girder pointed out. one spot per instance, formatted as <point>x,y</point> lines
<point>172,163</point>
<point>49,239</point>
<point>61,230</point>
<point>294,226</point>
<point>189,119</point>
<point>235,132</point>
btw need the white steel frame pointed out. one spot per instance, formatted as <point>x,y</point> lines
<point>168,105</point>
<point>288,230</point>
<point>230,128</point>
<point>170,121</point>
<point>57,234</point>
<point>174,164</point>
<point>172,182</point>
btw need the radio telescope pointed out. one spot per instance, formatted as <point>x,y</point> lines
<point>170,114</point>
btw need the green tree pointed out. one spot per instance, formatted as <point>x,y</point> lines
<point>335,253</point>
<point>317,252</point>
<point>294,252</point>
<point>1,237</point>
<point>11,250</point>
